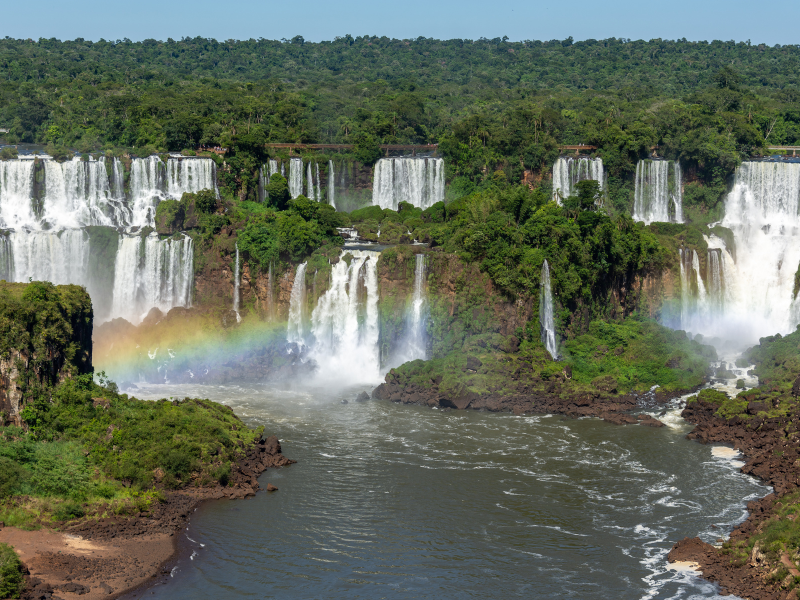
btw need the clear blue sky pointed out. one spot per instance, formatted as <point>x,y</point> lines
<point>315,20</point>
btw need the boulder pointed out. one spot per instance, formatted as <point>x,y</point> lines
<point>362,397</point>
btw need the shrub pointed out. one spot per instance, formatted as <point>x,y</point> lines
<point>60,470</point>
<point>11,579</point>
<point>368,213</point>
<point>68,511</point>
<point>11,476</point>
<point>205,201</point>
<point>177,462</point>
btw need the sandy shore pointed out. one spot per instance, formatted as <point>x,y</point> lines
<point>110,557</point>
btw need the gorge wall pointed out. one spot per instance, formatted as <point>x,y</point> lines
<point>45,336</point>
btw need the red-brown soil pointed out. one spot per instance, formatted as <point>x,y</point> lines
<point>105,558</point>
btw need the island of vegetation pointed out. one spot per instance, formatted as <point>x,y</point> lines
<point>82,464</point>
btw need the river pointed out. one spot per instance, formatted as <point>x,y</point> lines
<point>391,501</point>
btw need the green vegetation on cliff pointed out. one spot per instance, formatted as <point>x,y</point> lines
<point>70,445</point>
<point>615,358</point>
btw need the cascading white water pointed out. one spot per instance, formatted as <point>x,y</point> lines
<point>297,303</point>
<point>310,183</point>
<point>49,243</point>
<point>412,345</point>
<point>79,192</point>
<point>416,343</point>
<point>295,177</point>
<point>318,190</point>
<point>16,194</point>
<point>190,175</point>
<point>418,181</point>
<point>152,273</point>
<point>677,192</point>
<point>147,185</point>
<point>152,181</point>
<point>695,308</point>
<point>331,185</point>
<point>236,285</point>
<point>762,211</point>
<point>6,259</point>
<point>59,257</point>
<point>345,321</point>
<point>266,172</point>
<point>658,197</point>
<point>714,276</point>
<point>546,315</point>
<point>568,171</point>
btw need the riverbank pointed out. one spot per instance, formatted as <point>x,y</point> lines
<point>112,556</point>
<point>755,562</point>
<point>521,396</point>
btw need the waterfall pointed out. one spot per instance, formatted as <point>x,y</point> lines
<point>567,172</point>
<point>295,177</point>
<point>331,185</point>
<point>59,257</point>
<point>546,316</point>
<point>125,275</point>
<point>658,197</point>
<point>152,181</point>
<point>762,210</point>
<point>416,340</point>
<point>297,301</point>
<point>345,320</point>
<point>318,191</point>
<point>117,179</point>
<point>236,285</point>
<point>685,287</point>
<point>152,273</point>
<point>147,183</point>
<point>16,193</point>
<point>418,181</point>
<point>190,175</point>
<point>714,276</point>
<point>699,307</point>
<point>677,191</point>
<point>265,173</point>
<point>79,192</point>
<point>270,300</point>
<point>6,259</point>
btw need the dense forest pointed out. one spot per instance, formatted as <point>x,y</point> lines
<point>492,105</point>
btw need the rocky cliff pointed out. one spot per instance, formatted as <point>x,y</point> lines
<point>45,335</point>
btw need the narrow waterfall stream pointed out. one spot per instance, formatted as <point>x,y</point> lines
<point>236,292</point>
<point>297,301</point>
<point>417,322</point>
<point>331,184</point>
<point>546,316</point>
<point>658,193</point>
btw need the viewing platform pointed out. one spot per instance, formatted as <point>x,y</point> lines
<point>414,148</point>
<point>794,149</point>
